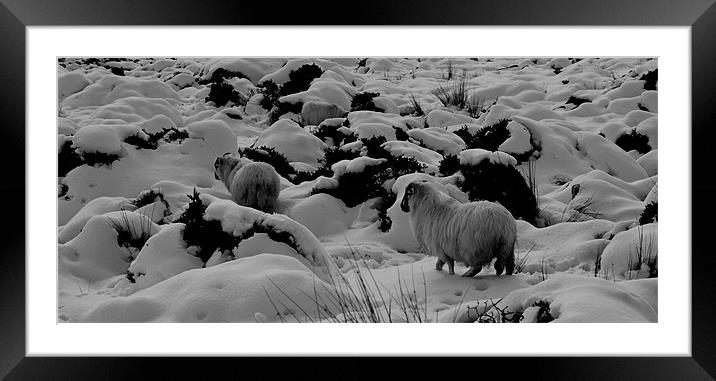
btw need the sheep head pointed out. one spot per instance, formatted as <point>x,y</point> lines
<point>225,164</point>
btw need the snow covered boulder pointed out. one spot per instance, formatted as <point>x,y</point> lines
<point>294,142</point>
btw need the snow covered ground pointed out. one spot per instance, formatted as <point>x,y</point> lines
<point>146,233</point>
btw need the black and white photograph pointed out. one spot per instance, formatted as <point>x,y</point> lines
<point>357,189</point>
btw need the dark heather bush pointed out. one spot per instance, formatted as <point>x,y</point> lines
<point>220,74</point>
<point>117,71</point>
<point>337,136</point>
<point>269,89</point>
<point>488,137</point>
<point>400,134</point>
<point>651,78</point>
<point>67,159</point>
<point>500,183</point>
<point>176,135</point>
<point>270,156</point>
<point>650,213</point>
<point>142,143</point>
<point>221,93</point>
<point>576,101</point>
<point>384,221</point>
<point>206,236</point>
<point>449,165</point>
<point>100,159</point>
<point>544,315</point>
<point>364,102</point>
<point>149,197</point>
<point>284,107</point>
<point>300,79</point>
<point>374,149</point>
<point>633,141</point>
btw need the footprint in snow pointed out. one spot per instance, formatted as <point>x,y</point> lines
<point>481,285</point>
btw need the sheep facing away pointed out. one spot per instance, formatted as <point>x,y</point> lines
<point>252,184</point>
<point>472,233</point>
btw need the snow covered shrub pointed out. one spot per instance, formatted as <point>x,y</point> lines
<point>220,74</point>
<point>651,78</point>
<point>270,91</point>
<point>633,141</point>
<point>338,135</point>
<point>374,147</point>
<point>650,213</point>
<point>384,221</point>
<point>205,236</point>
<point>175,134</point>
<point>500,183</point>
<point>282,108</point>
<point>131,236</point>
<point>488,137</point>
<point>149,197</point>
<point>454,94</point>
<point>95,159</point>
<point>67,159</point>
<point>270,156</point>
<point>364,102</point>
<point>449,165</point>
<point>141,142</point>
<point>116,71</point>
<point>221,93</point>
<point>300,79</point>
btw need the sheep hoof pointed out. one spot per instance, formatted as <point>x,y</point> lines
<point>439,264</point>
<point>471,272</point>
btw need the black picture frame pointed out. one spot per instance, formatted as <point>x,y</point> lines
<point>15,15</point>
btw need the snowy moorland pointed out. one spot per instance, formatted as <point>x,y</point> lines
<point>147,233</point>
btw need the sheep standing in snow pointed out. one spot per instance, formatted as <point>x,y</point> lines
<point>472,233</point>
<point>252,184</point>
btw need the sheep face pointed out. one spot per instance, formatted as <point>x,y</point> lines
<point>409,192</point>
<point>224,164</point>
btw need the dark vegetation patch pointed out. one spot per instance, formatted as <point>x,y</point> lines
<point>116,71</point>
<point>131,236</point>
<point>633,141</point>
<point>488,137</point>
<point>208,237</point>
<point>400,134</point>
<point>417,108</point>
<point>149,197</point>
<point>364,102</point>
<point>222,93</point>
<point>500,183</point>
<point>452,94</point>
<point>544,314</point>
<point>650,213</point>
<point>299,80</point>
<point>99,159</point>
<point>152,140</point>
<point>576,101</point>
<point>338,136</point>
<point>220,75</point>
<point>651,78</point>
<point>270,156</point>
<point>67,159</point>
<point>449,165</point>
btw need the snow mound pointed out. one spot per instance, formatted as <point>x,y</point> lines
<point>110,88</point>
<point>632,254</point>
<point>217,135</point>
<point>70,83</point>
<point>104,138</point>
<point>235,291</point>
<point>438,139</point>
<point>476,155</point>
<point>294,142</point>
<point>579,299</point>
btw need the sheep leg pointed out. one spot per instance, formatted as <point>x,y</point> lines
<point>451,266</point>
<point>499,265</point>
<point>439,264</point>
<point>510,263</point>
<point>472,271</point>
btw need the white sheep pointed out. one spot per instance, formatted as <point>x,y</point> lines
<point>252,184</point>
<point>472,233</point>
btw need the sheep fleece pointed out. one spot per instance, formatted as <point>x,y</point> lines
<point>254,184</point>
<point>472,233</point>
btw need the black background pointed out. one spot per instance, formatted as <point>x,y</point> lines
<point>16,14</point>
